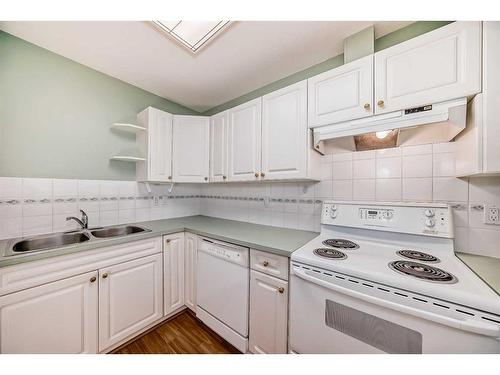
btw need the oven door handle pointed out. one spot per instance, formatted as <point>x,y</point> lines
<point>465,325</point>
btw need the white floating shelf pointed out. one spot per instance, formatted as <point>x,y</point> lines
<point>130,128</point>
<point>128,158</point>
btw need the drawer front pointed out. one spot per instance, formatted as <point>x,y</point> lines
<point>271,264</point>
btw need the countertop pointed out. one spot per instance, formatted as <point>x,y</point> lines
<point>487,268</point>
<point>280,241</point>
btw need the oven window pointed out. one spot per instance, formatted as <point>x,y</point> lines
<point>372,330</point>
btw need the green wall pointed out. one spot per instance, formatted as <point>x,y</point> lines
<point>386,41</point>
<point>55,115</point>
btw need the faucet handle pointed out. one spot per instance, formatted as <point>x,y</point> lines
<point>85,219</point>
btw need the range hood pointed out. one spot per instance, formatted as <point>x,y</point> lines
<point>433,123</point>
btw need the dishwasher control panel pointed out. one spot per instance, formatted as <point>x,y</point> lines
<point>229,252</point>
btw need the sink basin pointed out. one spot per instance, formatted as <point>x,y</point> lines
<point>49,241</point>
<point>124,230</point>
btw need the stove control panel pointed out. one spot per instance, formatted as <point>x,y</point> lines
<point>431,220</point>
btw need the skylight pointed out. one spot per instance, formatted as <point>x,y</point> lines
<point>192,34</point>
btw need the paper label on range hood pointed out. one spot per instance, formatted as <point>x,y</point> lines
<point>418,109</point>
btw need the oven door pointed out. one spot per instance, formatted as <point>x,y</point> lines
<point>324,319</point>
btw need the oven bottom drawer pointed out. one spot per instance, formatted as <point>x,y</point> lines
<point>326,321</point>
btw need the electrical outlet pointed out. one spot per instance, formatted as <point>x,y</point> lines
<point>491,215</point>
<point>156,200</point>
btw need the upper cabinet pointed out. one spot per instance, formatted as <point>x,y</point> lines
<point>244,143</point>
<point>341,94</point>
<point>156,144</point>
<point>219,125</point>
<point>285,133</point>
<point>437,66</point>
<point>477,152</point>
<point>190,155</point>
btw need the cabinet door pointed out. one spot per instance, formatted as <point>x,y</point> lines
<point>130,298</point>
<point>341,94</point>
<point>190,266</point>
<point>218,147</point>
<point>59,317</point>
<point>437,66</point>
<point>284,132</point>
<point>156,144</point>
<point>173,272</point>
<point>268,314</point>
<point>244,155</point>
<point>191,149</point>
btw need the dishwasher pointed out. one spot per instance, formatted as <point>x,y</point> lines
<point>223,290</point>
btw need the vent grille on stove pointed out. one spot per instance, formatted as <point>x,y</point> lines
<point>400,295</point>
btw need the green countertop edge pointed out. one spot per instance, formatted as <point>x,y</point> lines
<point>279,241</point>
<point>486,268</point>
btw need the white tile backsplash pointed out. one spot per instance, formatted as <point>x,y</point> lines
<point>411,173</point>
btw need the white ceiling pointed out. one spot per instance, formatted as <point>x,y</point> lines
<point>248,55</point>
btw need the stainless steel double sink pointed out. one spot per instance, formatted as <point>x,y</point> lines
<point>58,240</point>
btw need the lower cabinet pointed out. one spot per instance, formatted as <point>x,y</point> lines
<point>58,317</point>
<point>190,264</point>
<point>130,298</point>
<point>173,272</point>
<point>268,314</point>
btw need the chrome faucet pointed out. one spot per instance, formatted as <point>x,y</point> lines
<point>84,221</point>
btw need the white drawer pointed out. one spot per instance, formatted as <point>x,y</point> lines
<point>274,265</point>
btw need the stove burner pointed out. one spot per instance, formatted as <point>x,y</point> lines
<point>329,253</point>
<point>340,243</point>
<point>422,271</point>
<point>418,255</point>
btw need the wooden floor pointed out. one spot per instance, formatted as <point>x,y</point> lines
<point>183,334</point>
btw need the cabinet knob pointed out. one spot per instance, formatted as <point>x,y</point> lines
<point>93,279</point>
<point>169,177</point>
<point>167,241</point>
<point>206,178</point>
<point>380,103</point>
<point>262,174</point>
<point>366,106</point>
<point>256,174</point>
<point>265,263</point>
<point>281,290</point>
<point>105,275</point>
<point>224,177</point>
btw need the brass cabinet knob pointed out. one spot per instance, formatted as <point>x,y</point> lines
<point>366,106</point>
<point>169,177</point>
<point>262,174</point>
<point>224,177</point>
<point>281,290</point>
<point>206,178</point>
<point>265,263</point>
<point>380,103</point>
<point>256,174</point>
<point>104,275</point>
<point>167,241</point>
<point>93,279</point>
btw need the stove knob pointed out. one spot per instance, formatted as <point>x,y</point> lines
<point>429,223</point>
<point>333,214</point>
<point>429,213</point>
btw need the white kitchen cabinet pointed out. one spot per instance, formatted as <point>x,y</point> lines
<point>244,144</point>
<point>173,272</point>
<point>440,65</point>
<point>190,266</point>
<point>341,94</point>
<point>219,126</point>
<point>155,144</point>
<point>268,314</point>
<point>285,133</point>
<point>130,298</point>
<point>58,317</point>
<point>476,151</point>
<point>190,153</point>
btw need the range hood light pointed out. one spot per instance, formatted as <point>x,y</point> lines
<point>382,134</point>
